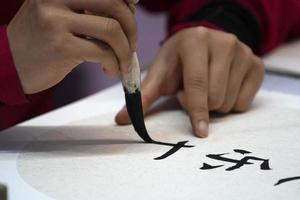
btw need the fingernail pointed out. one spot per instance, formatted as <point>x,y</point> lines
<point>202,129</point>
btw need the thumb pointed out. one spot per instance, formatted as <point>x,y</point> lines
<point>122,118</point>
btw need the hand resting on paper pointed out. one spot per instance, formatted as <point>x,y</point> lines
<point>207,70</point>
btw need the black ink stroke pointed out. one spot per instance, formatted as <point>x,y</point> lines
<point>244,161</point>
<point>238,163</point>
<point>173,145</point>
<point>135,111</point>
<point>284,180</point>
<point>208,166</point>
<point>174,149</point>
<point>241,151</point>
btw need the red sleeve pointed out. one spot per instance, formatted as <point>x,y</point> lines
<point>278,20</point>
<point>11,92</point>
<point>8,9</point>
<point>16,107</point>
<point>157,5</point>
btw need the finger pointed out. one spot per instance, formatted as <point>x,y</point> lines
<point>116,9</point>
<point>132,5</point>
<point>250,86</point>
<point>132,8</point>
<point>151,90</point>
<point>220,61</point>
<point>238,70</point>
<point>107,30</point>
<point>96,52</point>
<point>195,79</point>
<point>181,99</point>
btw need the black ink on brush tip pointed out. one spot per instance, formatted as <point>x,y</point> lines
<point>135,111</point>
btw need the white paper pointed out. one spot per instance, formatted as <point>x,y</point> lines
<point>94,159</point>
<point>285,59</point>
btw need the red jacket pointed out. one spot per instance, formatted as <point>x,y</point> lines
<point>15,107</point>
<point>277,21</point>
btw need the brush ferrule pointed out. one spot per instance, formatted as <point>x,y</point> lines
<point>132,81</point>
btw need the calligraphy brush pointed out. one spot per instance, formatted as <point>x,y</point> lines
<point>132,86</point>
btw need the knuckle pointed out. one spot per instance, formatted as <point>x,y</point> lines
<point>46,18</point>
<point>187,43</point>
<point>231,41</point>
<point>197,82</point>
<point>247,51</point>
<point>201,35</point>
<point>112,27</point>
<point>202,32</point>
<point>193,36</point>
<point>231,38</point>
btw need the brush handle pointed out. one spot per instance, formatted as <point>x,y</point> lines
<point>132,81</point>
